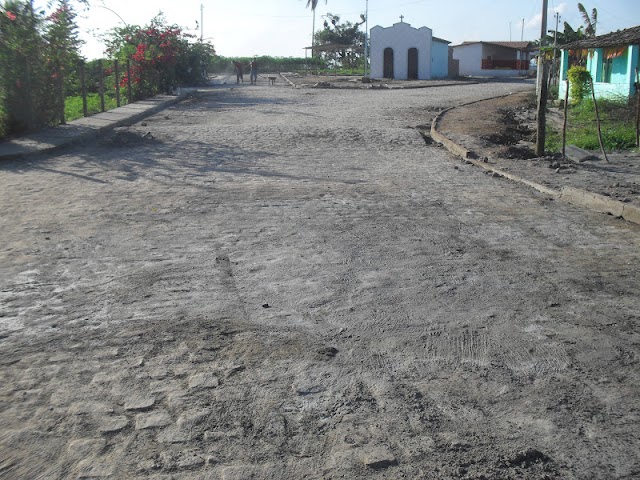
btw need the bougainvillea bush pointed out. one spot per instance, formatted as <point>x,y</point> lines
<point>39,62</point>
<point>161,57</point>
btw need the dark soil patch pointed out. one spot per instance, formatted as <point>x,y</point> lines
<point>517,152</point>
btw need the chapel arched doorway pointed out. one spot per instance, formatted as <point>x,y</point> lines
<point>388,63</point>
<point>413,64</point>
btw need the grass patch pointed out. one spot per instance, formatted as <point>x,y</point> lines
<point>73,106</point>
<point>617,118</point>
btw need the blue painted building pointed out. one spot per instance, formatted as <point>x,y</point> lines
<point>612,59</point>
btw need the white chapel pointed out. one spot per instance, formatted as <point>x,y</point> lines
<point>403,52</point>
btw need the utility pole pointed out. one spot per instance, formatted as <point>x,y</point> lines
<point>555,48</point>
<point>522,34</point>
<point>366,39</point>
<point>542,86</point>
<point>201,22</point>
<point>313,33</point>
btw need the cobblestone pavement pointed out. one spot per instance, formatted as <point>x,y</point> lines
<point>268,282</point>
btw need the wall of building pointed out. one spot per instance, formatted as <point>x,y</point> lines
<point>401,37</point>
<point>469,58</point>
<point>622,76</point>
<point>439,60</point>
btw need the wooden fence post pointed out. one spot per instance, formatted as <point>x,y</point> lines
<point>595,104</point>
<point>129,99</point>
<point>83,86</point>
<point>101,77</point>
<point>117,73</point>
<point>61,98</point>
<point>31,123</point>
<point>564,127</point>
<point>637,108</point>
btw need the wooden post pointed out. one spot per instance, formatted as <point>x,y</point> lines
<point>83,86</point>
<point>101,77</point>
<point>31,122</point>
<point>542,87</point>
<point>117,73</point>
<point>129,99</point>
<point>61,97</point>
<point>637,108</point>
<point>595,104</point>
<point>564,126</point>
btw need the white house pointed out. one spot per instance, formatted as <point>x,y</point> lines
<point>493,59</point>
<point>407,53</point>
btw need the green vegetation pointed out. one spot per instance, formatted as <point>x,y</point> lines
<point>3,114</point>
<point>267,64</point>
<point>39,64</point>
<point>579,83</point>
<point>37,52</point>
<point>73,105</point>
<point>161,55</point>
<point>617,122</point>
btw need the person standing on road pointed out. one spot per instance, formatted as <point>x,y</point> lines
<point>254,71</point>
<point>238,67</point>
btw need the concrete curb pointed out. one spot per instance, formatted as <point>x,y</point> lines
<point>61,136</point>
<point>600,203</point>
<point>387,87</point>
<point>572,195</point>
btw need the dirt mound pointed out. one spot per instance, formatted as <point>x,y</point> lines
<point>503,131</point>
<point>124,137</point>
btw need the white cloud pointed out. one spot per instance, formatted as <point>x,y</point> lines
<point>561,8</point>
<point>534,22</point>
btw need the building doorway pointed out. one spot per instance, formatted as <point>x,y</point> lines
<point>413,64</point>
<point>388,63</point>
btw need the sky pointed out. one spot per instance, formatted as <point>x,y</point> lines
<point>282,28</point>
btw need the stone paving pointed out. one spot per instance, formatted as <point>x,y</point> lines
<point>286,283</point>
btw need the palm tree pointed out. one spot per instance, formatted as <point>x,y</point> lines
<point>313,4</point>
<point>589,21</point>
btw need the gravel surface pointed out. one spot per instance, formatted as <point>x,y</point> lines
<point>269,282</point>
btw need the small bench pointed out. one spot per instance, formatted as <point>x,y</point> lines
<point>272,80</point>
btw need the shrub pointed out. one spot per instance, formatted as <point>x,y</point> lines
<point>36,55</point>
<point>579,80</point>
<point>161,56</point>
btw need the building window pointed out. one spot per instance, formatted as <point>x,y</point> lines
<point>609,56</point>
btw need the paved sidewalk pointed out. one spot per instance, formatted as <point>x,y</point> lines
<point>84,128</point>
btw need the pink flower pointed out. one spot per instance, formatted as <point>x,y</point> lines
<point>11,16</point>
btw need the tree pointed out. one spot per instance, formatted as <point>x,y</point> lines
<point>36,51</point>
<point>161,56</point>
<point>313,4</point>
<point>62,54</point>
<point>590,22</point>
<point>21,65</point>
<point>346,34</point>
<point>570,35</point>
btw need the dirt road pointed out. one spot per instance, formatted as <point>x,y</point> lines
<point>286,283</point>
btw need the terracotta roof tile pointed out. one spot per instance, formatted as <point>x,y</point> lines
<point>629,36</point>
